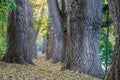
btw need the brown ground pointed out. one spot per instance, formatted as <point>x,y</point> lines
<point>43,70</point>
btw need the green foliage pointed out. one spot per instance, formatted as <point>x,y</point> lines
<point>64,28</point>
<point>105,23</point>
<point>106,13</point>
<point>103,45</point>
<point>47,28</point>
<point>44,24</point>
<point>5,7</point>
<point>41,24</point>
<point>2,46</point>
<point>41,21</point>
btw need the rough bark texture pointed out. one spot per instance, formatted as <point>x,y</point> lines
<point>57,52</point>
<point>50,42</point>
<point>30,31</point>
<point>84,21</point>
<point>114,69</point>
<point>17,46</point>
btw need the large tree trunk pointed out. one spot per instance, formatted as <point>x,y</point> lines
<point>58,49</point>
<point>84,21</point>
<point>17,45</point>
<point>114,69</point>
<point>30,31</point>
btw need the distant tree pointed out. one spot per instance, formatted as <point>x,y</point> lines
<point>17,44</point>
<point>114,69</point>
<point>83,35</point>
<point>50,44</point>
<point>30,31</point>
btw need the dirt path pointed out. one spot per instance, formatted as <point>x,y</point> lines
<point>43,70</point>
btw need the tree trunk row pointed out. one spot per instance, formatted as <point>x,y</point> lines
<point>77,47</point>
<point>80,44</point>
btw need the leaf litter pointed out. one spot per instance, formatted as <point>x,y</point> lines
<point>44,70</point>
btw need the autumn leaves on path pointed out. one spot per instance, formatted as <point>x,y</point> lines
<point>43,70</point>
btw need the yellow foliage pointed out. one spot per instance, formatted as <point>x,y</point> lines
<point>40,15</point>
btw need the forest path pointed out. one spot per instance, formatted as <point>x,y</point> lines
<point>43,70</point>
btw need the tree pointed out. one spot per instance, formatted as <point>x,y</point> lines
<point>113,72</point>
<point>17,44</point>
<point>50,44</point>
<point>83,35</point>
<point>58,18</point>
<point>30,31</point>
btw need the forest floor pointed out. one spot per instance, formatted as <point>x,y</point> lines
<point>44,70</point>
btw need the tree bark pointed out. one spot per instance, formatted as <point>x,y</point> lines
<point>113,72</point>
<point>83,33</point>
<point>58,50</point>
<point>30,31</point>
<point>50,42</point>
<point>17,44</point>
